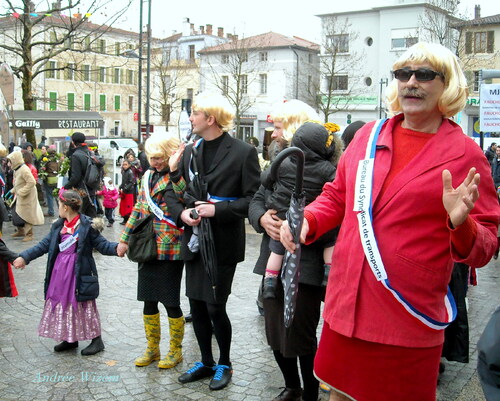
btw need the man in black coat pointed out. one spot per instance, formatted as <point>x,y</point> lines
<point>231,170</point>
<point>77,171</point>
<point>490,152</point>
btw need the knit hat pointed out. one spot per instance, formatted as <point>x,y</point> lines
<point>78,137</point>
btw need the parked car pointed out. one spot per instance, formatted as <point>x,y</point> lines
<point>107,145</point>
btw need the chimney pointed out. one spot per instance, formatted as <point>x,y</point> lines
<point>202,30</point>
<point>229,36</point>
<point>477,11</point>
<point>209,29</point>
<point>220,32</point>
<point>186,27</point>
<point>235,37</point>
<point>191,29</point>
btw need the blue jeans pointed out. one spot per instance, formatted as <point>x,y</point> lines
<point>49,198</point>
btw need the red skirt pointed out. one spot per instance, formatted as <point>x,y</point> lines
<point>368,371</point>
<point>7,284</point>
<point>126,204</point>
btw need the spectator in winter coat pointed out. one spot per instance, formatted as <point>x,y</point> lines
<point>110,196</point>
<point>491,152</point>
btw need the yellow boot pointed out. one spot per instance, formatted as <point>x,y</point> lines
<point>153,334</point>
<point>18,233</point>
<point>174,355</point>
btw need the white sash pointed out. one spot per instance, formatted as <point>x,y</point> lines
<point>363,205</point>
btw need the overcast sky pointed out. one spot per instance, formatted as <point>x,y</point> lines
<point>250,17</point>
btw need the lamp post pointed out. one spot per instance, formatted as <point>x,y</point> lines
<point>148,70</point>
<point>139,106</point>
<point>383,81</point>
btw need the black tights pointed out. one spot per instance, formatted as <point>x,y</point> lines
<point>208,319</point>
<point>151,308</point>
<point>290,371</point>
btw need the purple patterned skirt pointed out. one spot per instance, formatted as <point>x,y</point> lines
<point>64,318</point>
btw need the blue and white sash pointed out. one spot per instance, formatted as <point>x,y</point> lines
<point>363,205</point>
<point>153,206</point>
<point>68,241</point>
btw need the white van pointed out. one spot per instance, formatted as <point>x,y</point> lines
<point>107,148</point>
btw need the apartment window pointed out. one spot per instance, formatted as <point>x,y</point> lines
<point>116,76</point>
<point>475,86</point>
<point>87,43</point>
<point>71,101</point>
<point>479,42</point>
<point>263,56</point>
<point>68,42</point>
<point>101,46</point>
<point>263,84</point>
<point>52,101</point>
<point>244,57</point>
<point>244,84</point>
<point>130,103</point>
<point>167,82</point>
<point>130,77</point>
<point>225,59</point>
<point>191,53</point>
<point>51,73</point>
<point>102,102</point>
<point>189,93</point>
<point>338,83</point>
<point>225,84</point>
<point>310,58</point>
<point>117,48</point>
<point>339,43</point>
<point>309,83</point>
<point>102,74</point>
<point>69,72</point>
<point>117,102</point>
<point>86,72</point>
<point>403,38</point>
<point>87,98</point>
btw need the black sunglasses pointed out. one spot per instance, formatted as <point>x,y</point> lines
<point>422,74</point>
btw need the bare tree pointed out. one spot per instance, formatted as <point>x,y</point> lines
<point>339,68</point>
<point>233,67</point>
<point>172,76</point>
<point>34,37</point>
<point>437,22</point>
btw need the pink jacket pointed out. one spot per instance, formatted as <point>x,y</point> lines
<point>411,229</point>
<point>109,197</point>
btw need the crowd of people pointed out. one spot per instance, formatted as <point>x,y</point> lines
<point>391,208</point>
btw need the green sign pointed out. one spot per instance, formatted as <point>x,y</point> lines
<point>344,100</point>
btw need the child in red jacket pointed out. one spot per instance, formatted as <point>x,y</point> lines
<point>110,195</point>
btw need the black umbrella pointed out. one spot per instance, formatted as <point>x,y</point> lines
<point>197,190</point>
<point>290,270</point>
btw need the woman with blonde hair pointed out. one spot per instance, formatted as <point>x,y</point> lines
<point>159,279</point>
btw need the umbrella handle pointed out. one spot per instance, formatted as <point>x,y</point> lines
<point>299,175</point>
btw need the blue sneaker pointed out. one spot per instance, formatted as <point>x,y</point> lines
<point>222,377</point>
<point>197,372</point>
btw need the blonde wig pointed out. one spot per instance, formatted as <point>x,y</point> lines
<point>441,60</point>
<point>293,114</point>
<point>161,145</point>
<point>216,105</point>
<point>3,151</point>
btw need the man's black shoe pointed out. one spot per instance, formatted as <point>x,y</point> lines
<point>222,377</point>
<point>289,394</point>
<point>197,372</point>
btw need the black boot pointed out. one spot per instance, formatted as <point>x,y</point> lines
<point>94,347</point>
<point>65,346</point>
<point>269,289</point>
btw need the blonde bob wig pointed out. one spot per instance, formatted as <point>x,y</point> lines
<point>161,145</point>
<point>293,114</point>
<point>441,60</point>
<point>216,105</point>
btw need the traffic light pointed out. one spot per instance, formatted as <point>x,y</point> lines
<point>348,119</point>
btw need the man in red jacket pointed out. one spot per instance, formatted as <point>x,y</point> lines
<point>407,214</point>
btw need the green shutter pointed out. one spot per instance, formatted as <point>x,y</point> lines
<point>86,101</point>
<point>52,101</point>
<point>71,101</point>
<point>468,42</point>
<point>117,102</point>
<point>490,43</point>
<point>102,102</point>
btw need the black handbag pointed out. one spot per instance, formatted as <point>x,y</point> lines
<point>142,241</point>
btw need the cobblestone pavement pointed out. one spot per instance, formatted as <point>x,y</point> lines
<point>28,363</point>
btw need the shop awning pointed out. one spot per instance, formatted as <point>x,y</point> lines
<point>35,119</point>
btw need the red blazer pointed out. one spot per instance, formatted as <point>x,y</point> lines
<point>411,228</point>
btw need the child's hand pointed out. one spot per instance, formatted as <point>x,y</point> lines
<point>19,263</point>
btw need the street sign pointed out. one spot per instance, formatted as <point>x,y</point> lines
<point>489,111</point>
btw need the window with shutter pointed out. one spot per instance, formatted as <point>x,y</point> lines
<point>490,46</point>
<point>468,42</point>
